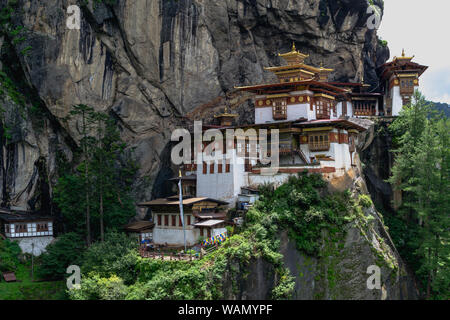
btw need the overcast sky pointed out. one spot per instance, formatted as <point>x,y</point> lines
<point>422,27</point>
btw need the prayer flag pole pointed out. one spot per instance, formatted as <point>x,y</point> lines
<point>181,210</point>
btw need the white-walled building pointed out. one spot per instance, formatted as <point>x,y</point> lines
<point>32,232</point>
<point>168,227</point>
<point>399,79</point>
<point>314,119</point>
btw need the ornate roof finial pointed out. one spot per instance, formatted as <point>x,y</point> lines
<point>293,47</point>
<point>403,52</point>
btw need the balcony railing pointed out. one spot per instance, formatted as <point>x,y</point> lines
<point>280,115</point>
<point>319,146</point>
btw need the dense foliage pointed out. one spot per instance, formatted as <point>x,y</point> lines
<point>421,171</point>
<point>9,255</point>
<point>97,195</point>
<point>301,206</point>
<point>64,252</point>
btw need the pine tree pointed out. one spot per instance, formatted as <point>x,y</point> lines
<point>84,121</point>
<point>422,165</point>
<point>100,185</point>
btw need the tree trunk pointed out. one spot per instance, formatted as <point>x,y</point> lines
<point>88,213</point>
<point>102,234</point>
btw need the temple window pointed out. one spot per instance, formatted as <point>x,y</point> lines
<point>279,109</point>
<point>174,221</point>
<point>41,227</point>
<point>21,228</point>
<point>319,141</point>
<point>322,110</point>
<point>406,86</point>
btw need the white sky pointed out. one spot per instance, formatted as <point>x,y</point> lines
<point>422,27</point>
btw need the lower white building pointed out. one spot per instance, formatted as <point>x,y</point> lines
<point>168,226</point>
<point>32,232</point>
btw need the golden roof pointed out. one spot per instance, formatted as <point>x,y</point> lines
<point>403,57</point>
<point>226,114</point>
<point>294,53</point>
<point>298,66</point>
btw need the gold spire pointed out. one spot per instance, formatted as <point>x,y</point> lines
<point>225,114</point>
<point>294,56</point>
<point>403,57</point>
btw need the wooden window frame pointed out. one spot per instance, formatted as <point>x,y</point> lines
<point>319,141</point>
<point>205,168</point>
<point>159,220</point>
<point>18,228</point>
<point>211,168</point>
<point>227,168</point>
<point>322,109</point>
<point>279,109</point>
<point>42,227</point>
<point>166,220</point>
<point>174,221</point>
<point>219,168</point>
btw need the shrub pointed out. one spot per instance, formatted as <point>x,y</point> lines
<point>95,287</point>
<point>9,255</point>
<point>117,255</point>
<point>66,251</point>
<point>365,201</point>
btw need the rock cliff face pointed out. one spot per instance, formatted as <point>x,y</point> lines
<point>152,64</point>
<point>340,271</point>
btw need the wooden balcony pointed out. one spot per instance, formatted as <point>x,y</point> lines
<point>280,115</point>
<point>319,146</point>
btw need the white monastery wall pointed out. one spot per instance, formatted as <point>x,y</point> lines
<point>397,102</point>
<point>34,245</point>
<point>175,236</point>
<point>263,115</point>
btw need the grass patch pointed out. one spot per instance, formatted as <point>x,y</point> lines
<point>26,289</point>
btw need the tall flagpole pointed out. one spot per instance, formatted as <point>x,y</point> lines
<point>181,210</point>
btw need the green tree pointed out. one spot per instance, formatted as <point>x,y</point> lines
<point>99,188</point>
<point>116,255</point>
<point>66,251</point>
<point>9,255</point>
<point>422,165</point>
<point>85,119</point>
